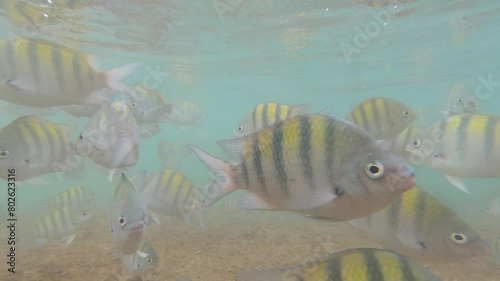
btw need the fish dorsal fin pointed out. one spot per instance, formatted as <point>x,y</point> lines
<point>300,109</point>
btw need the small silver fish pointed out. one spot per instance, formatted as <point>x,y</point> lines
<point>127,217</point>
<point>460,100</point>
<point>141,265</point>
<point>149,130</point>
<point>110,139</point>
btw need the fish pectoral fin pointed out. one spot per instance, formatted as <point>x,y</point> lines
<point>311,200</point>
<point>111,174</point>
<point>142,254</point>
<point>458,183</point>
<point>68,239</point>
<point>21,84</point>
<point>250,201</point>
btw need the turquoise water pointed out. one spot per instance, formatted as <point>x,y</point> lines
<point>274,51</point>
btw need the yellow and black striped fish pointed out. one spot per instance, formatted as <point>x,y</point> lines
<point>460,146</point>
<point>422,227</point>
<point>312,164</point>
<point>266,114</point>
<point>34,147</point>
<point>350,265</point>
<point>148,106</point>
<point>73,197</point>
<point>59,223</point>
<point>381,117</point>
<point>140,264</point>
<point>171,193</point>
<point>35,14</point>
<point>397,145</point>
<point>40,73</point>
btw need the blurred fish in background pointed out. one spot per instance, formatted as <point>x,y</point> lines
<point>381,117</point>
<point>138,264</point>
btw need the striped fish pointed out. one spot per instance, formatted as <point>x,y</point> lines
<point>73,197</point>
<point>40,73</point>
<point>61,223</point>
<point>311,164</point>
<point>382,118</point>
<point>141,265</point>
<point>38,13</point>
<point>420,226</point>
<point>266,114</point>
<point>149,130</point>
<point>148,106</point>
<point>185,113</point>
<point>350,265</point>
<point>169,192</point>
<point>460,146</point>
<point>34,147</point>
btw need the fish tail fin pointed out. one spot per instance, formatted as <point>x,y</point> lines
<point>260,275</point>
<point>115,76</point>
<point>223,183</point>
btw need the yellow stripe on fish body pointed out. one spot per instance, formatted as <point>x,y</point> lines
<point>354,268</point>
<point>272,108</point>
<point>390,266</point>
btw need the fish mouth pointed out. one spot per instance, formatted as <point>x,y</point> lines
<point>401,181</point>
<point>136,227</point>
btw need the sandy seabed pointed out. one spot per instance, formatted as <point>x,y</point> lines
<point>234,240</point>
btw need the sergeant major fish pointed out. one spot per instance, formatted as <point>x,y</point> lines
<point>73,197</point>
<point>382,118</point>
<point>127,218</point>
<point>311,164</point>
<point>460,146</point>
<point>34,147</point>
<point>420,226</point>
<point>39,73</point>
<point>349,265</point>
<point>148,106</point>
<point>171,193</point>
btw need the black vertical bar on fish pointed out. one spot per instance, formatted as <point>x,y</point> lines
<point>376,115</point>
<point>393,214</point>
<point>462,135</point>
<point>277,152</point>
<point>330,150</point>
<point>489,138</point>
<point>405,268</point>
<point>257,162</point>
<point>265,120</point>
<point>373,266</point>
<point>305,149</point>
<point>77,71</point>
<point>58,68</point>
<point>33,58</point>
<point>245,173</point>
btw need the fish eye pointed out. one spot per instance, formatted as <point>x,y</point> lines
<point>150,260</point>
<point>4,153</point>
<point>122,221</point>
<point>81,137</point>
<point>133,104</point>
<point>416,143</point>
<point>458,238</point>
<point>157,126</point>
<point>406,113</point>
<point>84,214</point>
<point>460,101</point>
<point>374,170</point>
<point>240,128</point>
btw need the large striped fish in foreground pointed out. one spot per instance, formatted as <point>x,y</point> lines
<point>34,147</point>
<point>127,217</point>
<point>381,117</point>
<point>460,146</point>
<point>420,226</point>
<point>171,193</point>
<point>39,73</point>
<point>60,223</point>
<point>311,164</point>
<point>111,139</point>
<point>349,265</point>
